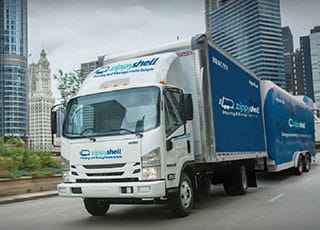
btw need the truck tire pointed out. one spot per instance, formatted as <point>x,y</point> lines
<point>299,169</point>
<point>181,202</point>
<point>96,207</point>
<point>235,182</point>
<point>306,163</point>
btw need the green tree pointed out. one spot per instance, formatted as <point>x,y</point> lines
<point>15,141</point>
<point>69,83</point>
<point>2,147</point>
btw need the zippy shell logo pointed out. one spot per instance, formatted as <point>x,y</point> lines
<point>235,109</point>
<point>96,154</point>
<point>138,66</point>
<point>295,124</point>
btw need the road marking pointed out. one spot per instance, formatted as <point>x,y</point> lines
<point>276,197</point>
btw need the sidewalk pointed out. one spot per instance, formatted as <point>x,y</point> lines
<point>27,196</point>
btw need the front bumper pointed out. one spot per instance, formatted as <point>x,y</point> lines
<point>145,189</point>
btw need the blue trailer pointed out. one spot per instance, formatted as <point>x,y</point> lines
<point>289,130</point>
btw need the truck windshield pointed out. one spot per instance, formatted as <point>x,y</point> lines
<point>113,113</point>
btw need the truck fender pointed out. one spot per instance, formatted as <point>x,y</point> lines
<point>183,166</point>
<point>187,168</point>
<point>296,157</point>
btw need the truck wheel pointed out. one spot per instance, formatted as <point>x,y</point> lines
<point>299,169</point>
<point>181,202</point>
<point>236,181</point>
<point>96,207</point>
<point>307,163</point>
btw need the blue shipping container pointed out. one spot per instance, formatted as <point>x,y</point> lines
<point>237,109</point>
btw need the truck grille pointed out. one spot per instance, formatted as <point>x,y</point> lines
<point>106,180</point>
<point>104,166</point>
<point>106,172</point>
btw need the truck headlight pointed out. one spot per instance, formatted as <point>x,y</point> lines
<point>65,168</point>
<point>65,164</point>
<point>66,176</point>
<point>151,165</point>
<point>151,173</point>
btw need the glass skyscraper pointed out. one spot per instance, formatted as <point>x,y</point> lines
<point>315,62</point>
<point>13,68</point>
<point>250,30</point>
<point>306,65</point>
<point>288,50</point>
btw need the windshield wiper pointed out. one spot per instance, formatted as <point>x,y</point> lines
<point>82,134</point>
<point>72,133</point>
<point>128,130</point>
<point>86,130</point>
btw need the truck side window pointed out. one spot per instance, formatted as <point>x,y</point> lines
<point>173,115</point>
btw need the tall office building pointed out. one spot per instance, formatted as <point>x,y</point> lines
<point>288,49</point>
<point>13,68</point>
<point>41,101</point>
<point>287,39</point>
<point>295,80</point>
<point>306,66</point>
<point>315,62</point>
<point>250,30</point>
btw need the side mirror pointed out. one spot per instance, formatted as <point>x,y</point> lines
<point>188,107</point>
<point>53,122</point>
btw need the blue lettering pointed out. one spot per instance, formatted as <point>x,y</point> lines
<point>135,65</point>
<point>85,153</point>
<point>154,60</point>
<point>123,67</point>
<point>140,63</point>
<point>103,69</point>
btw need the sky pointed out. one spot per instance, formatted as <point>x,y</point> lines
<point>77,31</point>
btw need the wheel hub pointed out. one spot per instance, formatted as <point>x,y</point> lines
<point>185,194</point>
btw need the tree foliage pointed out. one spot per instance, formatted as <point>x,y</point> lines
<point>17,142</point>
<point>14,155</point>
<point>69,83</point>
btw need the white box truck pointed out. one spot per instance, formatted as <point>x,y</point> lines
<point>162,125</point>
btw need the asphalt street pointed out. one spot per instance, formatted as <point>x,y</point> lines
<point>280,202</point>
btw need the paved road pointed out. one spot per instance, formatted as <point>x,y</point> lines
<point>280,202</point>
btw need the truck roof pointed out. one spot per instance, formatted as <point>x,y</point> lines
<point>128,73</point>
<point>164,48</point>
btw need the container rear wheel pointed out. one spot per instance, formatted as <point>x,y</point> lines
<point>236,182</point>
<point>307,163</point>
<point>298,170</point>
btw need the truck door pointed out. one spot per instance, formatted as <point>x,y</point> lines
<point>178,139</point>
